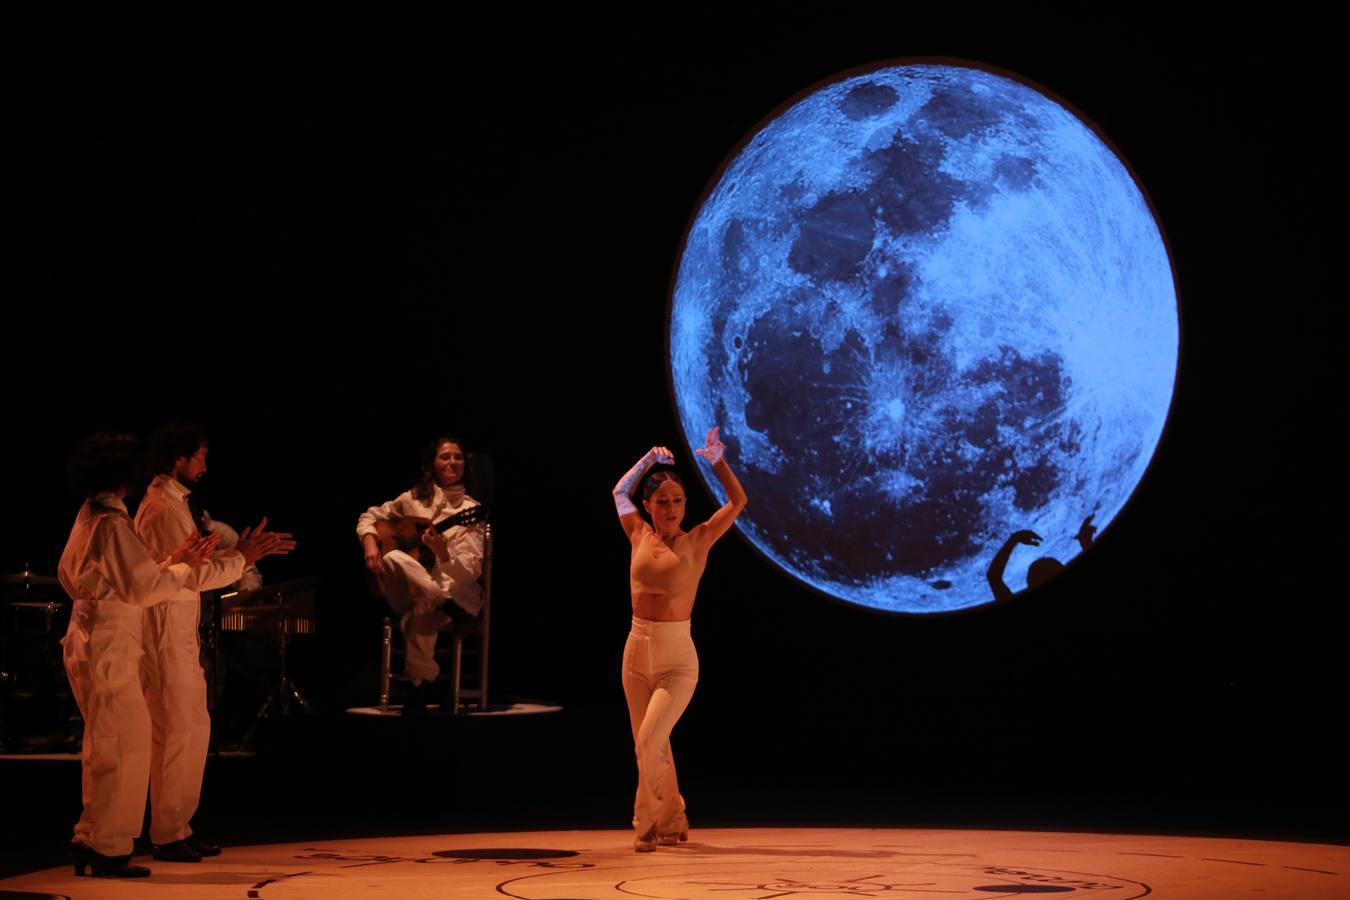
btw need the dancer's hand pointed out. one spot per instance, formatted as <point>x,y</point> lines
<point>623,491</point>
<point>714,449</point>
<point>1030,538</point>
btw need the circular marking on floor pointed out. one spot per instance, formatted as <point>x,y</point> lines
<point>504,853</point>
<point>852,879</point>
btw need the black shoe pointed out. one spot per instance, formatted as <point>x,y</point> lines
<point>177,851</point>
<point>458,614</point>
<point>142,847</point>
<point>443,695</point>
<point>416,702</point>
<point>100,866</point>
<point>203,848</point>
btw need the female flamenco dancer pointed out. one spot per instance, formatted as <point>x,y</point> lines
<point>660,665</point>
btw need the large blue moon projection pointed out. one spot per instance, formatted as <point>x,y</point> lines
<point>929,307</point>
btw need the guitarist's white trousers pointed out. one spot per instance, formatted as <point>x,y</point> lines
<point>412,593</point>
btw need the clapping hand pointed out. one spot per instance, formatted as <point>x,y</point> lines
<point>195,550</point>
<point>257,542</point>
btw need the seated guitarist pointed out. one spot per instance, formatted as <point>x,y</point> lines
<point>430,579</point>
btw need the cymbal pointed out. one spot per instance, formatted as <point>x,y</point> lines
<point>292,586</point>
<point>28,578</point>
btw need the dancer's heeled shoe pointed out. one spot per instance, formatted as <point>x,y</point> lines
<point>87,859</point>
<point>645,843</point>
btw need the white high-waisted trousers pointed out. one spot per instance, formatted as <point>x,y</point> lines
<point>660,670</point>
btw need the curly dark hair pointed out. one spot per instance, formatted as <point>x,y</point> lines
<point>173,441</point>
<point>106,461</point>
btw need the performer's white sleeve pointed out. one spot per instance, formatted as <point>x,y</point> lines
<point>365,524</point>
<point>128,567</point>
<point>164,532</point>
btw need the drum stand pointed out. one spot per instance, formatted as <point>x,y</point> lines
<point>287,610</point>
<point>283,697</point>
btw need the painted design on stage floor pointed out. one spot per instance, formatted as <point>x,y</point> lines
<point>843,880</point>
<point>536,858</point>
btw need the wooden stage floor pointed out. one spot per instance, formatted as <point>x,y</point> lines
<point>725,863</point>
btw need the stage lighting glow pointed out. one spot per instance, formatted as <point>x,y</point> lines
<point>929,307</point>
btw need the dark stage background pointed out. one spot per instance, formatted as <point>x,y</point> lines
<point>330,260</point>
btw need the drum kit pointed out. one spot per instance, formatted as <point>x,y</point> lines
<point>37,711</point>
<point>35,700</point>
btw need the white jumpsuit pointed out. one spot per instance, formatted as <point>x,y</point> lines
<point>414,593</point>
<point>111,576</point>
<point>171,670</point>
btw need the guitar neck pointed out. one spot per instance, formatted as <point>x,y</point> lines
<point>472,514</point>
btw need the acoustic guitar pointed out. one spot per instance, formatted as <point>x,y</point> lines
<point>405,533</point>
